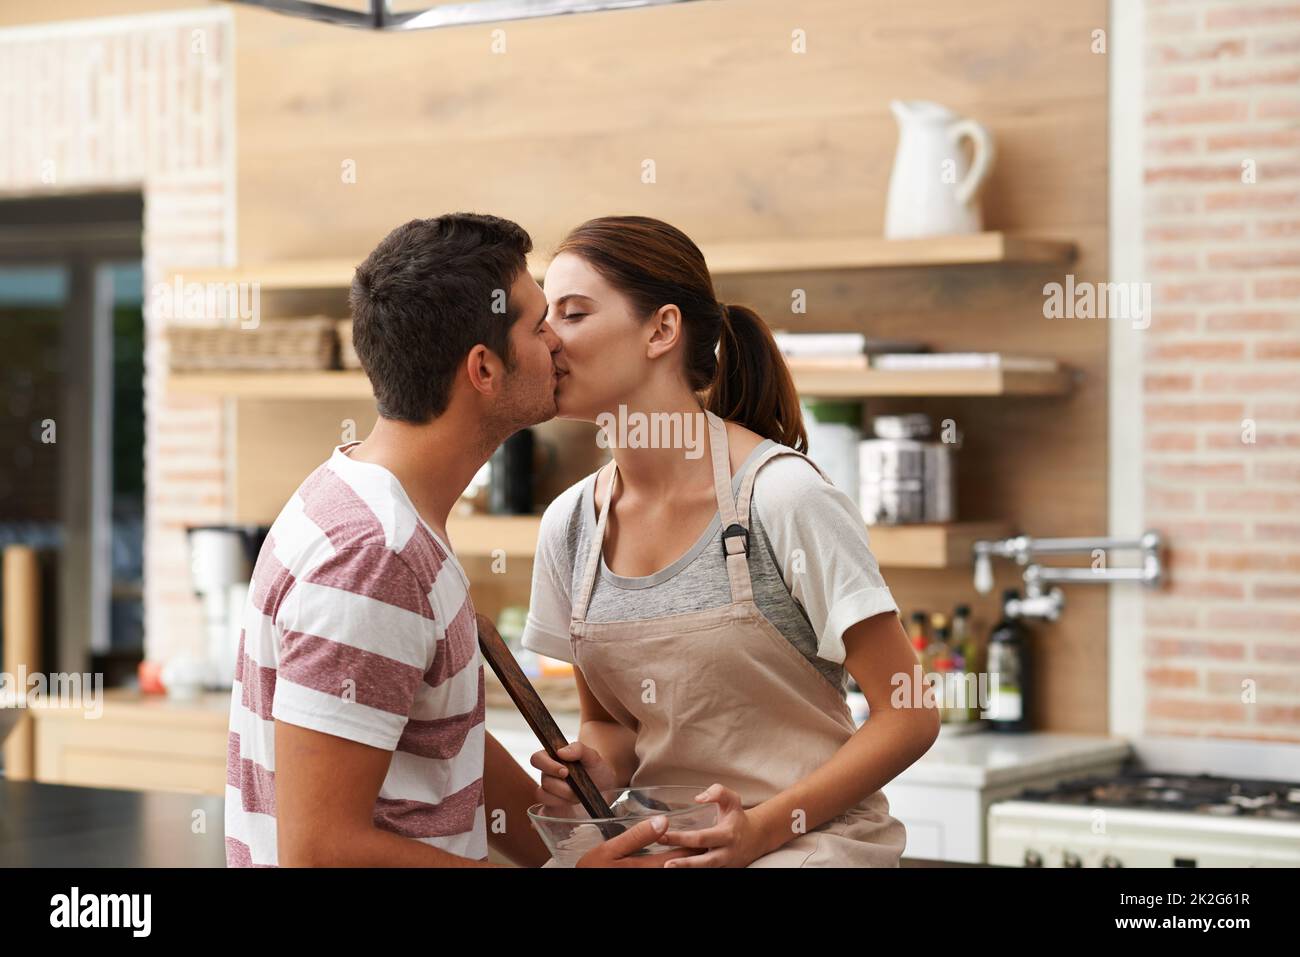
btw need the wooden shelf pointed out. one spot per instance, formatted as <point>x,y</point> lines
<point>873,252</point>
<point>724,259</point>
<point>931,546</point>
<point>334,384</point>
<point>820,382</point>
<point>896,546</point>
<point>828,383</point>
<point>289,274</point>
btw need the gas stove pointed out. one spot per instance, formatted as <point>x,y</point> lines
<point>1144,817</point>
<point>1202,794</point>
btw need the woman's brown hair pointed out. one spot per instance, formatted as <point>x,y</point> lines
<point>655,264</point>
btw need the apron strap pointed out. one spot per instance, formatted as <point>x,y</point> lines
<point>733,512</point>
<point>737,565</point>
<point>721,455</point>
<point>597,545</point>
<point>735,532</point>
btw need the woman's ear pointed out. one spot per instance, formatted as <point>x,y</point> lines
<point>665,331</point>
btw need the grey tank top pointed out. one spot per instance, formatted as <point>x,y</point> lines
<point>695,582</point>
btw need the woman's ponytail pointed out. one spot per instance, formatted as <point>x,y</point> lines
<point>753,385</point>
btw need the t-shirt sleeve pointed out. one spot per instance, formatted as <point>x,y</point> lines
<point>820,544</point>
<point>550,607</point>
<point>356,636</point>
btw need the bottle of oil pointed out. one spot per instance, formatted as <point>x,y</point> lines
<point>938,663</point>
<point>937,650</point>
<point>1010,694</point>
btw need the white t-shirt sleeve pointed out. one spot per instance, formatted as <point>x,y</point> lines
<point>546,630</point>
<point>820,542</point>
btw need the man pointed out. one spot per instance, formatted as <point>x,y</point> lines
<point>357,716</point>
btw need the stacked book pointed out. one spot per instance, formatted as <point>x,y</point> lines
<point>839,350</point>
<point>854,351</point>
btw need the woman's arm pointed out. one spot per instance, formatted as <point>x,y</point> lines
<point>879,657</point>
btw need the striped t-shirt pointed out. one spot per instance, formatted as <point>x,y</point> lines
<point>359,624</point>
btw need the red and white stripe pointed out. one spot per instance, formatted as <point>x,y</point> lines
<point>359,624</point>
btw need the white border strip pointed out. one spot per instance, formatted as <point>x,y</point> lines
<point>1126,684</point>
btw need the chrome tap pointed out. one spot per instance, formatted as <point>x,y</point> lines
<point>1040,602</point>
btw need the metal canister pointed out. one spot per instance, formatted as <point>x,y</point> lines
<point>906,477</point>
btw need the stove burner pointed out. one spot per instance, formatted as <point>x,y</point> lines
<point>1192,794</point>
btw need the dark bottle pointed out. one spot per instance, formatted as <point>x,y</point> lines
<point>1008,670</point>
<point>510,475</point>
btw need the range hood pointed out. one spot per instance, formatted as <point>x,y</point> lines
<point>380,16</point>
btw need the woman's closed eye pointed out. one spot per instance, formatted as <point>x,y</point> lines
<point>574,315</point>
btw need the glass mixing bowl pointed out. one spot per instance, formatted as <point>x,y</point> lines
<point>569,832</point>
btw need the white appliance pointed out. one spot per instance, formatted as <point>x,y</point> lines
<point>1183,803</point>
<point>221,563</point>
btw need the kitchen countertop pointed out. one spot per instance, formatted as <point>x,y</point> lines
<point>978,759</point>
<point>54,825</point>
<point>993,759</point>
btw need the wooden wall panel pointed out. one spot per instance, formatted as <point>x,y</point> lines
<point>749,140</point>
<point>748,137</point>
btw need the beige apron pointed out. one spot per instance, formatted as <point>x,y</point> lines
<point>721,695</point>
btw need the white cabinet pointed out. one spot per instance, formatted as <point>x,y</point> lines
<point>943,799</point>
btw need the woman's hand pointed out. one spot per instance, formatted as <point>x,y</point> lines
<point>735,841</point>
<point>555,790</point>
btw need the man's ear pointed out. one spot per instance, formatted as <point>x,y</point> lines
<point>665,330</point>
<point>485,370</point>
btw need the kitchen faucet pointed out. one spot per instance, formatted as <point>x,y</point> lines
<point>1047,602</point>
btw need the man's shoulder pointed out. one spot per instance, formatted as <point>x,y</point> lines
<point>326,518</point>
<point>348,516</point>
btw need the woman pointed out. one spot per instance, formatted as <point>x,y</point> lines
<point>713,599</point>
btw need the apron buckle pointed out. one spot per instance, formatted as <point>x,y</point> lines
<point>735,533</point>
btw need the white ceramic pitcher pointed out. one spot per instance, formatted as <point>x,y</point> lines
<point>933,189</point>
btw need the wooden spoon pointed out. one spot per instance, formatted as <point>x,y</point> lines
<point>531,706</point>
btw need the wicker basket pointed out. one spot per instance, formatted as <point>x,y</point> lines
<point>274,345</point>
<point>347,355</point>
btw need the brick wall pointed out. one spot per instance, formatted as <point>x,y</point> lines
<point>1221,365</point>
<point>142,102</point>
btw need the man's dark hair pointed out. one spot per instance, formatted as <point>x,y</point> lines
<point>431,291</point>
